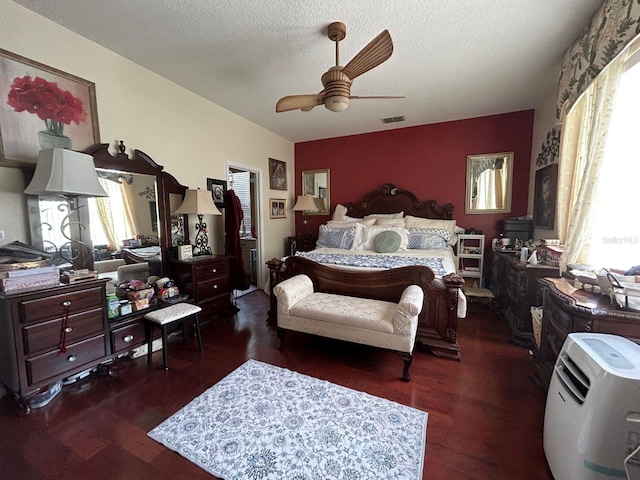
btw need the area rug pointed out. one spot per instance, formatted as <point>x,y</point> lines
<point>264,422</point>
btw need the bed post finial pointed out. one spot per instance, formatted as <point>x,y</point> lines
<point>389,189</point>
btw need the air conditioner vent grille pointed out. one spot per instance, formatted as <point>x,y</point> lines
<point>572,378</point>
<point>399,118</point>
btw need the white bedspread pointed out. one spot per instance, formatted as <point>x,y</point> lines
<point>446,256</point>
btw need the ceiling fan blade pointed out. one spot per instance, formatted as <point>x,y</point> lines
<point>296,102</point>
<point>377,96</point>
<point>377,51</point>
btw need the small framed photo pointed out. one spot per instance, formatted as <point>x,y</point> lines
<point>278,208</point>
<point>277,174</point>
<point>185,252</point>
<point>218,189</point>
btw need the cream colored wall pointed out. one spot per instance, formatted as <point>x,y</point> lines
<point>544,121</point>
<point>190,136</point>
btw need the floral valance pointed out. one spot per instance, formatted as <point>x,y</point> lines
<point>613,26</point>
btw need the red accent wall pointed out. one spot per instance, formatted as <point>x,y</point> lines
<point>429,160</point>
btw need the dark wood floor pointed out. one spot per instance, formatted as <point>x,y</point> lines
<point>485,414</point>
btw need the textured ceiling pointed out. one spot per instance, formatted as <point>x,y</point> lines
<point>452,59</point>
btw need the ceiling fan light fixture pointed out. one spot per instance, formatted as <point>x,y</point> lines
<point>337,103</point>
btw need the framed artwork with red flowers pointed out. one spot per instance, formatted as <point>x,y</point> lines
<point>42,107</point>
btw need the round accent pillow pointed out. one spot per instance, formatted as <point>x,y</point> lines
<point>387,242</point>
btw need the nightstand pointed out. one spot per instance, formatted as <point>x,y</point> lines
<point>299,244</point>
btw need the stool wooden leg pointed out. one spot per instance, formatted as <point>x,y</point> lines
<point>149,334</point>
<point>197,325</point>
<point>164,347</point>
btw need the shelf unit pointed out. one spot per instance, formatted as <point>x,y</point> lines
<point>470,259</point>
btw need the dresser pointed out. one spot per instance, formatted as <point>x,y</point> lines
<point>567,310</point>
<point>299,244</point>
<point>50,334</point>
<point>206,279</point>
<point>513,284</point>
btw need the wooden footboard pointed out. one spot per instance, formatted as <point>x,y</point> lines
<point>438,319</point>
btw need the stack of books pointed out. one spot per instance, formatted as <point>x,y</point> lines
<point>12,281</point>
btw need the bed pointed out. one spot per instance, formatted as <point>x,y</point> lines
<point>352,249</point>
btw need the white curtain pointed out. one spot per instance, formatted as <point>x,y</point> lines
<point>584,136</point>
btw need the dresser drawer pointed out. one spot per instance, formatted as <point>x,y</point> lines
<point>46,335</point>
<point>53,364</point>
<point>213,288</point>
<point>47,308</point>
<point>210,271</point>
<point>214,306</point>
<point>128,337</point>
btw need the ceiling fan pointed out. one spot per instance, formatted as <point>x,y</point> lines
<point>336,95</point>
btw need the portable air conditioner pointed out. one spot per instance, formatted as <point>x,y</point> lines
<point>592,416</point>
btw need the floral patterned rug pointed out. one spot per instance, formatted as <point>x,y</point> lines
<point>264,422</point>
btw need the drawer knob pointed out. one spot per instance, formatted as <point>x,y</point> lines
<point>215,287</point>
<point>214,270</point>
<point>66,304</point>
<point>128,338</point>
<point>72,358</point>
<point>68,329</point>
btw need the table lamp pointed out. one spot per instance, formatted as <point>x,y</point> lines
<point>72,175</point>
<point>199,202</point>
<point>305,204</point>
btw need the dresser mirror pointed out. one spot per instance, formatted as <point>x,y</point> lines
<point>489,183</point>
<point>141,196</point>
<point>315,183</point>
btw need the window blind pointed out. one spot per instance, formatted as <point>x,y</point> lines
<point>240,182</point>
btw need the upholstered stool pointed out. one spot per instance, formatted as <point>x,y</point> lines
<point>165,317</point>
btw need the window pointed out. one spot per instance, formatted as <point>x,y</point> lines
<point>241,184</point>
<point>600,167</point>
<point>616,231</point>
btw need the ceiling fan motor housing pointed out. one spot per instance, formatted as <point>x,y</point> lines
<point>337,89</point>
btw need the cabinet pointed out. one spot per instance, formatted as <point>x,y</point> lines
<point>249,256</point>
<point>567,310</point>
<point>206,279</point>
<point>513,284</point>
<point>471,259</point>
<point>31,335</point>
<point>301,244</point>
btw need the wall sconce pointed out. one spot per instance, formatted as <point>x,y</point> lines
<point>72,175</point>
<point>199,202</point>
<point>305,204</point>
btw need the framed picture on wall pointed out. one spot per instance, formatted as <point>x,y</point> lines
<point>544,201</point>
<point>218,189</point>
<point>277,174</point>
<point>41,108</point>
<point>277,208</point>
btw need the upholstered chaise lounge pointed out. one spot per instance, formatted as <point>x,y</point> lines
<point>368,321</point>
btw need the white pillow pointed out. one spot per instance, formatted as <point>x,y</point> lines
<point>365,236</point>
<point>448,225</point>
<point>385,215</point>
<point>339,213</point>
<point>349,223</point>
<point>391,222</point>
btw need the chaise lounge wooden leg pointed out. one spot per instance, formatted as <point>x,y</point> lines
<point>407,358</point>
<point>280,333</point>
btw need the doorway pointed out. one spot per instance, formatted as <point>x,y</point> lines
<point>245,182</point>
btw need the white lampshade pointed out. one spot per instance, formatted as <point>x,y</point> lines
<point>305,203</point>
<point>65,172</point>
<point>199,202</point>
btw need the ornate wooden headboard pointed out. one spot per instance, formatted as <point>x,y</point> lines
<point>391,199</point>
